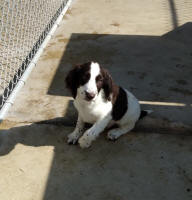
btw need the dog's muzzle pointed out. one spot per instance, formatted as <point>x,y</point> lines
<point>89,96</point>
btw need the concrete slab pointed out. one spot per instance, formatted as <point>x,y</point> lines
<point>36,163</point>
<point>146,47</point>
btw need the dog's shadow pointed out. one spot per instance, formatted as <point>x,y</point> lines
<point>77,173</point>
<point>70,163</point>
<point>44,133</point>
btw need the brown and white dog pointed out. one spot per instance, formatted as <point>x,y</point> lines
<point>99,101</point>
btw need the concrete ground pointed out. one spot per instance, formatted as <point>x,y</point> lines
<point>146,46</point>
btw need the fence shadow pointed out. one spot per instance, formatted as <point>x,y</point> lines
<point>173,12</point>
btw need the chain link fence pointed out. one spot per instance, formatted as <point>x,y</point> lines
<point>24,24</point>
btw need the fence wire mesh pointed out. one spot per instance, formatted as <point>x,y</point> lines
<point>24,24</point>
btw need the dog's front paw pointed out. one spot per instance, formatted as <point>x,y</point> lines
<point>112,135</point>
<point>85,141</point>
<point>72,138</point>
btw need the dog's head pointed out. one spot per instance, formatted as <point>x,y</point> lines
<point>87,80</point>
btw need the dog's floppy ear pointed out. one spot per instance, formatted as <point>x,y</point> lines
<point>107,84</point>
<point>72,80</point>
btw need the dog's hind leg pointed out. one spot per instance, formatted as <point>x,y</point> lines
<point>117,132</point>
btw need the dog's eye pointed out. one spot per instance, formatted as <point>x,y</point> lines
<point>85,78</point>
<point>99,78</point>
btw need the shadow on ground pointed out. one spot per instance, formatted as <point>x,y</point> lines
<point>155,69</point>
<point>138,166</point>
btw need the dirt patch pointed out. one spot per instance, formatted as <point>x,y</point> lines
<point>4,125</point>
<point>95,32</point>
<point>181,66</point>
<point>185,92</point>
<point>88,37</point>
<point>181,82</point>
<point>130,72</point>
<point>142,75</point>
<point>115,24</point>
<point>52,43</point>
<point>73,56</point>
<point>65,17</point>
<point>176,59</point>
<point>52,55</point>
<point>60,35</point>
<point>65,40</point>
<point>68,12</point>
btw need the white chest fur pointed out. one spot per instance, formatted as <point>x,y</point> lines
<point>92,111</point>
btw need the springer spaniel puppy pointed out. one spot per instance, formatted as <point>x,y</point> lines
<point>99,101</point>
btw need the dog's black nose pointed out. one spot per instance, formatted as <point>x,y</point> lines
<point>89,95</point>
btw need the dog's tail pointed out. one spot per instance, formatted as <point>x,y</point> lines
<point>145,113</point>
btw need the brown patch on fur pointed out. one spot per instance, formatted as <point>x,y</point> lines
<point>119,96</point>
<point>115,93</point>
<point>99,82</point>
<point>120,103</point>
<point>76,77</point>
<point>107,84</point>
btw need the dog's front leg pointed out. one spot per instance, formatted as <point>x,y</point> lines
<point>92,133</point>
<point>74,136</point>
